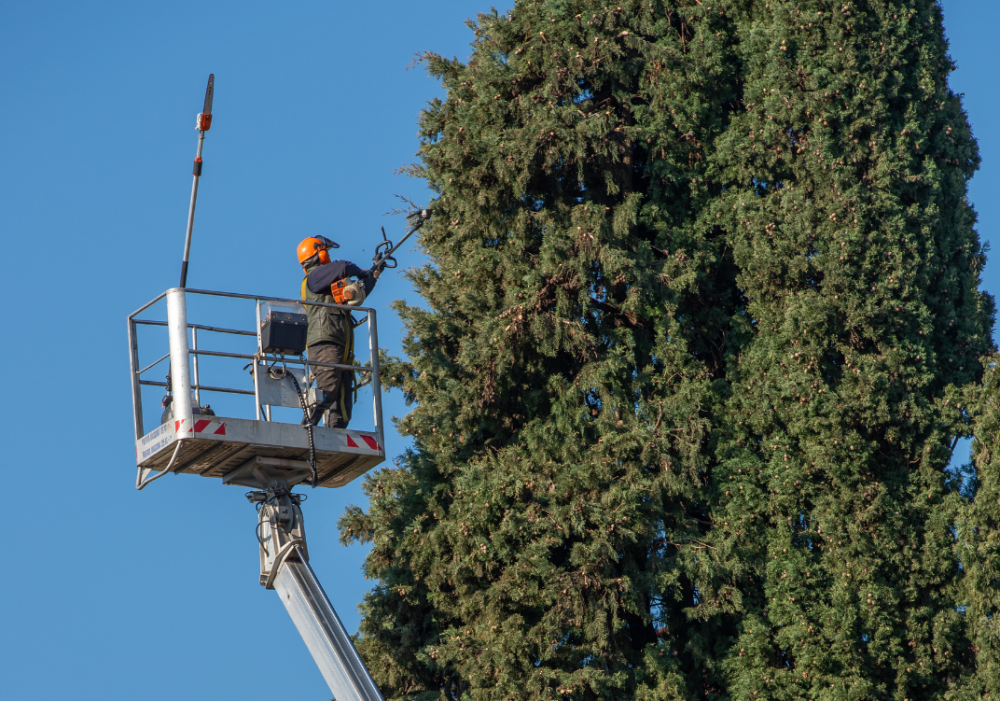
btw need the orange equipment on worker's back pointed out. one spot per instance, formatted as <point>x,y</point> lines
<point>347,291</point>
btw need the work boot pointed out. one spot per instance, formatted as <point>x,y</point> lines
<point>333,419</point>
<point>313,417</point>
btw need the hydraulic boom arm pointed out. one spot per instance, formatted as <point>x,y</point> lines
<point>284,567</point>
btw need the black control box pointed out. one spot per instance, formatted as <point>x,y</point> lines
<point>283,333</point>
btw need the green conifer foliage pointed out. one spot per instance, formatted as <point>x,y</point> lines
<point>845,201</point>
<point>701,326</point>
<point>543,537</point>
<point>979,533</point>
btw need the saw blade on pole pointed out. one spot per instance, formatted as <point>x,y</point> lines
<point>209,92</point>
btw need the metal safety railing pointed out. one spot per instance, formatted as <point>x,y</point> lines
<point>185,373</point>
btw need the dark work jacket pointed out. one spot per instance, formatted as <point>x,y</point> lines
<point>325,324</point>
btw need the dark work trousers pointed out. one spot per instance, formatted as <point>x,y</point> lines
<point>334,412</point>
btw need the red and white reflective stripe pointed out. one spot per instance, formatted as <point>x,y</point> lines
<point>203,426</point>
<point>353,438</point>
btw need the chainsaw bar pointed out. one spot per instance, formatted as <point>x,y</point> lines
<point>209,94</point>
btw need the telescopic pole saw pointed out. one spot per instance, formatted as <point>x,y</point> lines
<point>383,252</point>
<point>203,124</point>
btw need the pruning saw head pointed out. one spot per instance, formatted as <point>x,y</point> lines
<point>204,119</point>
<point>383,252</point>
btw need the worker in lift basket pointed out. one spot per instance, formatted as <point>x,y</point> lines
<point>330,338</point>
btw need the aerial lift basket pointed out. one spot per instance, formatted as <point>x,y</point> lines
<point>240,450</point>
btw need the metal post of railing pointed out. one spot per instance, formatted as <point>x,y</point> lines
<point>194,365</point>
<point>133,362</point>
<point>256,383</point>
<point>376,378</point>
<point>180,377</point>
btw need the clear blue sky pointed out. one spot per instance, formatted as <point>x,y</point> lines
<point>113,594</point>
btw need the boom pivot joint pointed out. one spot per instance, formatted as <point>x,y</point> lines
<point>280,529</point>
<point>284,567</point>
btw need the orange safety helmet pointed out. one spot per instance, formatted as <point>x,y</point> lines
<point>316,246</point>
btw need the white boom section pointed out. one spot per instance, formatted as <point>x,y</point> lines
<point>284,567</point>
<point>324,634</point>
<point>180,372</point>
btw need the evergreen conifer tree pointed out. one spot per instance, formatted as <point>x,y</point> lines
<point>542,536</point>
<point>979,533</point>
<point>702,318</point>
<point>846,180</point>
